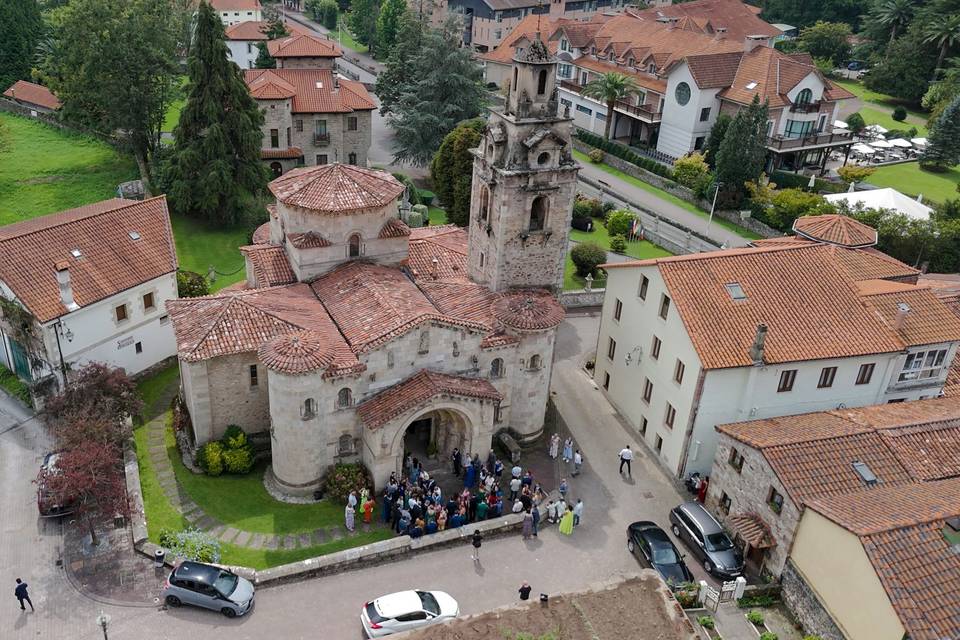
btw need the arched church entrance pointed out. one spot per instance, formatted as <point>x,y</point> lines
<point>431,438</point>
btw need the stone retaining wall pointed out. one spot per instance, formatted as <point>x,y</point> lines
<point>582,298</point>
<point>52,120</point>
<point>806,606</point>
<point>131,470</point>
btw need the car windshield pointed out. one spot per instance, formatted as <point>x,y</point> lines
<point>429,602</point>
<point>664,555</point>
<point>225,584</point>
<point>373,614</point>
<point>718,542</point>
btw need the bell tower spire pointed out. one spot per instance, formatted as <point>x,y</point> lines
<point>524,180</point>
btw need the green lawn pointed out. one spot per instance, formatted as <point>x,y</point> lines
<point>669,197</point>
<point>639,249</point>
<point>910,179</point>
<point>43,170</point>
<point>346,38</point>
<point>200,245</point>
<point>152,387</point>
<point>172,116</point>
<point>14,385</point>
<point>887,102</point>
<point>437,216</point>
<point>885,120</point>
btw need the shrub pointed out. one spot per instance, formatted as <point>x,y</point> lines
<point>412,192</point>
<point>596,156</point>
<point>812,638</point>
<point>768,635</point>
<point>706,622</point>
<point>210,458</point>
<point>341,479</point>
<point>765,600</point>
<point>582,208</point>
<point>606,208</point>
<point>586,256</point>
<point>426,196</point>
<point>191,285</point>
<point>13,384</point>
<point>238,461</point>
<point>618,244</point>
<point>192,544</point>
<point>853,173</point>
<point>686,595</point>
<point>624,153</point>
<point>234,438</point>
<point>689,169</point>
<point>755,617</point>
<point>415,220</point>
<point>619,222</point>
<point>856,122</point>
<point>899,114</point>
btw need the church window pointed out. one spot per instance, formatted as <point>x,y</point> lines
<point>354,245</point>
<point>514,78</point>
<point>345,444</point>
<point>344,398</point>
<point>543,158</point>
<point>309,409</point>
<point>389,359</point>
<point>542,82</point>
<point>538,213</point>
<point>352,158</point>
<point>496,368</point>
<point>484,202</point>
<point>456,349</point>
<point>424,342</point>
<point>535,362</point>
<point>482,258</point>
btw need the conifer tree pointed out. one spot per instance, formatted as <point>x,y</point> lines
<point>215,170</point>
<point>388,23</point>
<point>399,70</point>
<point>264,59</point>
<point>943,143</point>
<point>452,169</point>
<point>743,151</point>
<point>21,29</point>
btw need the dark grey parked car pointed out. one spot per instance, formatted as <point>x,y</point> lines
<point>210,587</point>
<point>650,543</point>
<point>707,540</point>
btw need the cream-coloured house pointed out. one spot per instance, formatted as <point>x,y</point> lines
<point>813,323</point>
<point>236,11</point>
<point>354,335</point>
<point>879,564</point>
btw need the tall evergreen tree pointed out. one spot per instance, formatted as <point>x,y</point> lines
<point>362,21</point>
<point>943,143</point>
<point>399,68</point>
<point>743,150</point>
<point>446,87</point>
<point>712,148</point>
<point>264,59</point>
<point>21,29</point>
<point>388,23</point>
<point>215,170</point>
<point>452,169</point>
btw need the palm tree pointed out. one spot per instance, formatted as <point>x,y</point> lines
<point>894,14</point>
<point>945,33</point>
<point>609,88</point>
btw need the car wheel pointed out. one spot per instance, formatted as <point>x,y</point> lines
<point>708,566</point>
<point>676,530</point>
<point>172,601</point>
<point>230,613</point>
<point>630,546</point>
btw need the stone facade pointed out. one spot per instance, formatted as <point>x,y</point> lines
<point>222,391</point>
<point>346,139</point>
<point>806,606</point>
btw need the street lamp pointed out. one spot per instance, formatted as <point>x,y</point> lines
<point>713,206</point>
<point>103,620</point>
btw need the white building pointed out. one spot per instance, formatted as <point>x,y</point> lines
<point>243,38</point>
<point>690,342</point>
<point>88,285</point>
<point>235,11</point>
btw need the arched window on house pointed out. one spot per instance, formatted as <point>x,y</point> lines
<point>345,444</point>
<point>354,245</point>
<point>309,409</point>
<point>496,368</point>
<point>277,169</point>
<point>535,362</point>
<point>344,398</point>
<point>484,202</point>
<point>538,213</point>
<point>542,82</point>
<point>804,97</point>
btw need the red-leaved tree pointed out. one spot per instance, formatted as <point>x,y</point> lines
<point>95,406</point>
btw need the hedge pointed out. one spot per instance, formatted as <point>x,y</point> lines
<point>785,180</point>
<point>624,153</point>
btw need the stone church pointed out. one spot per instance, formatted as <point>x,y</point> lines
<point>355,337</point>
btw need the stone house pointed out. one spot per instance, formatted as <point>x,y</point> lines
<point>312,115</point>
<point>95,283</point>
<point>355,337</point>
<point>767,471</point>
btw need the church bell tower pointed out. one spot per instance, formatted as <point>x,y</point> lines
<point>524,181</point>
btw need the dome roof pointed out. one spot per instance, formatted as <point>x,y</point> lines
<point>529,309</point>
<point>336,188</point>
<point>836,229</point>
<point>296,353</point>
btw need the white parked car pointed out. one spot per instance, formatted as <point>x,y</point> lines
<point>407,610</point>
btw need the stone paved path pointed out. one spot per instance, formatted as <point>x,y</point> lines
<point>180,500</point>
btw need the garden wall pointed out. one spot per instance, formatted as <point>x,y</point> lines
<point>582,298</point>
<point>18,109</point>
<point>806,606</point>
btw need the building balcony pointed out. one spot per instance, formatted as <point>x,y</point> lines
<point>784,144</point>
<point>645,112</point>
<point>321,139</point>
<point>806,107</point>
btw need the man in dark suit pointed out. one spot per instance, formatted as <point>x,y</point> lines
<point>22,595</point>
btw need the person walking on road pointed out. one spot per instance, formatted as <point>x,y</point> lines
<point>577,512</point>
<point>568,450</point>
<point>22,595</point>
<point>577,462</point>
<point>477,541</point>
<point>554,446</point>
<point>626,455</point>
<point>525,591</point>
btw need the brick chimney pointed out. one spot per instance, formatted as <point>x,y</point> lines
<point>752,42</point>
<point>903,310</point>
<point>66,290</point>
<point>720,33</point>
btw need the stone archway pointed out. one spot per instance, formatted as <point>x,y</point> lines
<point>447,429</point>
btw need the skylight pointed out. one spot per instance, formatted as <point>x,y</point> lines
<point>75,253</point>
<point>319,85</point>
<point>751,86</point>
<point>865,473</point>
<point>736,291</point>
<point>134,235</point>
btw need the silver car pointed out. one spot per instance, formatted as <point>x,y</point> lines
<point>210,587</point>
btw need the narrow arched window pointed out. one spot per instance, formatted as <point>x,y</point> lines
<point>534,362</point>
<point>309,409</point>
<point>354,244</point>
<point>345,444</point>
<point>496,368</point>
<point>538,213</point>
<point>804,97</point>
<point>344,398</point>
<point>542,82</point>
<point>352,158</point>
<point>514,78</point>
<point>484,202</point>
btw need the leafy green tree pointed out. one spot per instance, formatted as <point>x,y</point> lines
<point>388,23</point>
<point>446,87</point>
<point>689,169</point>
<point>945,33</point>
<point>215,170</point>
<point>276,30</point>
<point>743,151</point>
<point>399,66</point>
<point>120,80</point>
<point>329,14</point>
<point>856,122</point>
<point>942,92</point>
<point>21,29</point>
<point>943,142</point>
<point>893,15</point>
<point>608,88</point>
<point>619,222</point>
<point>362,21</point>
<point>827,40</point>
<point>586,257</point>
<point>712,148</point>
<point>807,12</point>
<point>789,204</point>
<point>264,59</point>
<point>905,68</point>
<point>452,169</point>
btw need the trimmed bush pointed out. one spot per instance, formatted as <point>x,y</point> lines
<point>415,220</point>
<point>191,544</point>
<point>619,222</point>
<point>706,622</point>
<point>607,207</point>
<point>210,458</point>
<point>618,244</point>
<point>412,192</point>
<point>624,153</point>
<point>582,209</point>
<point>238,461</point>
<point>426,196</point>
<point>191,285</point>
<point>856,122</point>
<point>596,156</point>
<point>899,114</point>
<point>586,256</point>
<point>341,479</point>
<point>234,438</point>
<point>690,169</point>
<point>755,617</point>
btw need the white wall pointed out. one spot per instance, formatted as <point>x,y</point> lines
<point>680,125</point>
<point>233,17</point>
<point>243,52</point>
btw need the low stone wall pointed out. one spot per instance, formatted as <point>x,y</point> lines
<point>806,606</point>
<point>138,520</point>
<point>582,298</point>
<point>50,119</point>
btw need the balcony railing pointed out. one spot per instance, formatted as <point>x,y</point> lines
<point>570,85</point>
<point>805,107</point>
<point>321,139</point>
<point>784,143</point>
<point>645,111</point>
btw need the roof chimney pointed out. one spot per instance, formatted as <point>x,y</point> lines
<point>336,82</point>
<point>752,42</point>
<point>434,266</point>
<point>66,291</point>
<point>756,351</point>
<point>903,310</point>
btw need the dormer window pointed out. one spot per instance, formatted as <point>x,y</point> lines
<point>651,68</point>
<point>630,62</point>
<point>804,97</point>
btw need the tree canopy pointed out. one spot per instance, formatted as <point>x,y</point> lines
<point>905,68</point>
<point>743,151</point>
<point>399,70</point>
<point>362,21</point>
<point>452,169</point>
<point>943,142</point>
<point>389,21</point>
<point>21,29</point>
<point>807,12</point>
<point>827,40</point>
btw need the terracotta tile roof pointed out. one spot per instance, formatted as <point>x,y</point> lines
<point>111,260</point>
<point>35,94</point>
<point>447,245</point>
<point>262,234</point>
<point>739,19</point>
<point>835,229</point>
<point>770,74</point>
<point>644,80</point>
<point>256,30</point>
<point>288,153</point>
<point>240,322</point>
<point>714,71</point>
<point>235,5</point>
<point>296,353</point>
<point>336,188</point>
<point>270,264</point>
<point>952,385</point>
<point>394,228</point>
<point>870,264</point>
<point>809,318</point>
<point>526,28</point>
<point>495,340</point>
<point>312,90</point>
<point>465,300</point>
<point>903,414</point>
<point>780,241</point>
<point>302,45</point>
<point>308,240</point>
<point>796,429</point>
<point>928,321</point>
<point>416,391</point>
<point>928,451</point>
<point>753,529</point>
<point>529,310</point>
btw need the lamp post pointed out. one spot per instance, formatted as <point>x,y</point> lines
<point>713,206</point>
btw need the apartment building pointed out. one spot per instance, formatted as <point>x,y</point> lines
<point>811,324</point>
<point>236,11</point>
